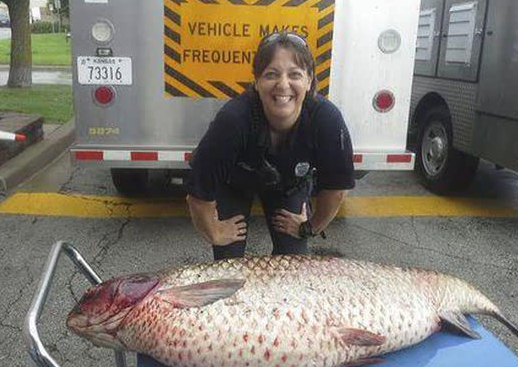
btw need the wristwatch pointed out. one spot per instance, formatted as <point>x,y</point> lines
<point>305,230</point>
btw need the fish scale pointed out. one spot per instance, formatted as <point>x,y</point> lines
<point>293,311</point>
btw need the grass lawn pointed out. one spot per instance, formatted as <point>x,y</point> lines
<point>53,102</point>
<point>47,49</point>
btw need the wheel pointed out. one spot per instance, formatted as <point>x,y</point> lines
<point>130,181</point>
<point>441,167</point>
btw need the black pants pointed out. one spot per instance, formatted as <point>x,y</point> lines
<point>231,202</point>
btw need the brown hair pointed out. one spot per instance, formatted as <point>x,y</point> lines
<point>289,41</point>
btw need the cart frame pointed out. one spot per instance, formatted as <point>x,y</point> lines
<point>36,349</point>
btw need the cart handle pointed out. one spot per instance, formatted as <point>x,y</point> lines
<point>37,350</point>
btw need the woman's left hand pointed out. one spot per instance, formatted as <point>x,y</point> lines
<point>287,222</point>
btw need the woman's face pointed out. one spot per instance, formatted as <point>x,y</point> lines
<point>282,87</point>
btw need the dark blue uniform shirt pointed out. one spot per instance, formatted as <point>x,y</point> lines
<point>320,130</point>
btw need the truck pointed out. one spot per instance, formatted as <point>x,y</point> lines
<point>463,106</point>
<point>149,76</point>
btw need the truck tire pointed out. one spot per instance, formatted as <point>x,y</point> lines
<point>130,181</point>
<point>441,167</point>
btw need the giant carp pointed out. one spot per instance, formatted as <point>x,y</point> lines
<point>287,310</point>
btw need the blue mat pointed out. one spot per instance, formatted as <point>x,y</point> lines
<point>442,349</point>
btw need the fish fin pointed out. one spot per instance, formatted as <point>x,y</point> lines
<point>363,362</point>
<point>360,337</point>
<point>459,322</point>
<point>200,294</point>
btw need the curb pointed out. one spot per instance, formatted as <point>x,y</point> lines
<point>36,157</point>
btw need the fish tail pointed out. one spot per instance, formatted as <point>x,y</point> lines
<point>512,327</point>
<point>474,301</point>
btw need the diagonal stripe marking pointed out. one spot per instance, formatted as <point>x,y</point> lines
<point>324,74</point>
<point>328,37</point>
<point>172,54</point>
<point>323,57</point>
<point>177,85</point>
<point>324,4</point>
<point>326,20</point>
<point>222,87</point>
<point>174,36</point>
<point>173,16</point>
<point>264,2</point>
<point>173,91</point>
<point>295,2</point>
<point>187,82</point>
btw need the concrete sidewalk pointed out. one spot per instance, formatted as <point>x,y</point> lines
<point>56,139</point>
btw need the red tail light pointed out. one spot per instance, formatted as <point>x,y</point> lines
<point>104,95</point>
<point>383,101</point>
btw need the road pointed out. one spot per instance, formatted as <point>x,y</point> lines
<point>474,237</point>
<point>43,77</point>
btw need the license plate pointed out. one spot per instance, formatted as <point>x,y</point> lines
<point>104,70</point>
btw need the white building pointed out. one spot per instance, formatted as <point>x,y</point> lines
<point>3,8</point>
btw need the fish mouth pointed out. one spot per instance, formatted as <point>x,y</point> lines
<point>101,331</point>
<point>101,324</point>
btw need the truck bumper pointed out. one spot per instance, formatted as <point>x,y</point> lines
<point>178,159</point>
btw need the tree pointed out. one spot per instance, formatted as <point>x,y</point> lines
<point>65,9</point>
<point>62,9</point>
<point>20,70</point>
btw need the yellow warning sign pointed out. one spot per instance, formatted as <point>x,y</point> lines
<point>209,45</point>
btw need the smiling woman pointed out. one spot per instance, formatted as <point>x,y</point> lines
<point>270,141</point>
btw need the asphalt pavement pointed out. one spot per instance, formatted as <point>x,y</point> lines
<point>481,249</point>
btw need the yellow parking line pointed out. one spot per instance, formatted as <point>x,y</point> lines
<point>90,206</point>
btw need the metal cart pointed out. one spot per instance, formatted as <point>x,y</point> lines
<point>37,351</point>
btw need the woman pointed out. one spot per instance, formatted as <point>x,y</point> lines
<point>269,141</point>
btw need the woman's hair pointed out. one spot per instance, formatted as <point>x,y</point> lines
<point>289,41</point>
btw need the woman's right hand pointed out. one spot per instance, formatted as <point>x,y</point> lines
<point>230,230</point>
